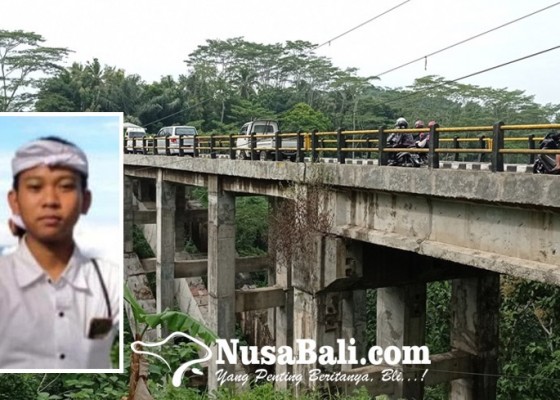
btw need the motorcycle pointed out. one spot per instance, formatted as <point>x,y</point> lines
<point>406,158</point>
<point>545,163</point>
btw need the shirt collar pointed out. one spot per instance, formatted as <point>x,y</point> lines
<point>27,270</point>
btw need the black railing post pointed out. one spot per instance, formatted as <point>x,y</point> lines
<point>167,146</point>
<point>212,145</point>
<point>340,144</point>
<point>195,143</point>
<point>481,145</point>
<point>456,145</point>
<point>252,145</point>
<point>231,147</point>
<point>181,144</point>
<point>497,144</point>
<point>277,146</point>
<point>144,145</point>
<point>383,157</point>
<point>314,145</point>
<point>300,154</point>
<point>368,147</point>
<point>433,144</point>
<point>531,147</point>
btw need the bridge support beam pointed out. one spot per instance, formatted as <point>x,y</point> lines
<point>221,269</point>
<point>401,321</point>
<point>165,246</point>
<point>180,217</point>
<point>320,310</point>
<point>128,215</point>
<point>474,330</point>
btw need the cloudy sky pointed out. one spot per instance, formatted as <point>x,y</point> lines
<point>152,38</point>
<point>99,232</point>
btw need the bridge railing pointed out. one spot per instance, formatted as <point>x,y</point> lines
<point>492,144</point>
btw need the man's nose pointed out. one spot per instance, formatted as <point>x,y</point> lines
<point>50,197</point>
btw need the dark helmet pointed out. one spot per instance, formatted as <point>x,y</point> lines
<point>554,135</point>
<point>401,123</point>
<point>419,124</point>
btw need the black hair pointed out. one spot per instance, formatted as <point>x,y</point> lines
<point>83,177</point>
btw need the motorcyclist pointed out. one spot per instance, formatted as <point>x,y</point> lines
<point>399,140</point>
<point>424,136</point>
<point>419,124</point>
<point>551,142</point>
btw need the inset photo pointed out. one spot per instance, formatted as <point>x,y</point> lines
<point>61,242</point>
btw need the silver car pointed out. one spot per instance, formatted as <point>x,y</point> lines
<point>174,133</point>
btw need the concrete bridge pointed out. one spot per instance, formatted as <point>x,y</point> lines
<point>393,229</point>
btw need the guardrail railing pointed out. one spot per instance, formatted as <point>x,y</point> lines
<point>479,143</point>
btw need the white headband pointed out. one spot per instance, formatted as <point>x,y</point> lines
<point>49,153</point>
<point>16,219</point>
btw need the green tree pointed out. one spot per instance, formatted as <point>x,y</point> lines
<point>303,117</point>
<point>24,64</point>
<point>91,87</point>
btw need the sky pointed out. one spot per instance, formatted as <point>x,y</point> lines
<point>99,233</point>
<point>152,39</point>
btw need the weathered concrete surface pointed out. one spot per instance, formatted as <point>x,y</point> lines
<point>503,222</point>
<point>524,242</point>
<point>506,188</point>
<point>165,247</point>
<point>474,330</point>
<point>221,268</point>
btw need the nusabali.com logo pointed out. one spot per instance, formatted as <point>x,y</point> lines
<point>305,352</point>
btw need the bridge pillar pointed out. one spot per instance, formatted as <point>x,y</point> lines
<point>323,310</point>
<point>128,215</point>
<point>474,329</point>
<point>180,217</point>
<point>401,320</point>
<point>221,269</point>
<point>165,246</point>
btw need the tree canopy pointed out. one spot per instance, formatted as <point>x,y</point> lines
<point>24,64</point>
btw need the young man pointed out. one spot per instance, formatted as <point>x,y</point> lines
<point>58,308</point>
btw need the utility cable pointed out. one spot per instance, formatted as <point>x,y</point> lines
<point>468,76</point>
<point>362,24</point>
<point>321,45</point>
<point>466,40</point>
<point>179,112</point>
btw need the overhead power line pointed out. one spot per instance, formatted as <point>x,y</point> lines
<point>466,40</point>
<point>469,75</point>
<point>321,45</point>
<point>362,24</point>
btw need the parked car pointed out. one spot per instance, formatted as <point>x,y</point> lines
<point>134,135</point>
<point>174,133</point>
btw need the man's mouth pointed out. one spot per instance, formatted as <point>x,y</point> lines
<point>50,220</point>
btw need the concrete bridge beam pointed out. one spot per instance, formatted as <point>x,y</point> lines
<point>327,316</point>
<point>474,330</point>
<point>401,321</point>
<point>165,246</point>
<point>221,268</point>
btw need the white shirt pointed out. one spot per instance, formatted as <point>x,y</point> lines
<point>45,324</point>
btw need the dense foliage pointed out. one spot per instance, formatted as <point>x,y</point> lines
<point>228,82</point>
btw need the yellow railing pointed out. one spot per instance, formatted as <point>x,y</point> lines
<point>485,143</point>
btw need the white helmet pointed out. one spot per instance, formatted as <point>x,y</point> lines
<point>401,123</point>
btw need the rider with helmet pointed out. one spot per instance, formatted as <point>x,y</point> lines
<point>400,140</point>
<point>551,142</point>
